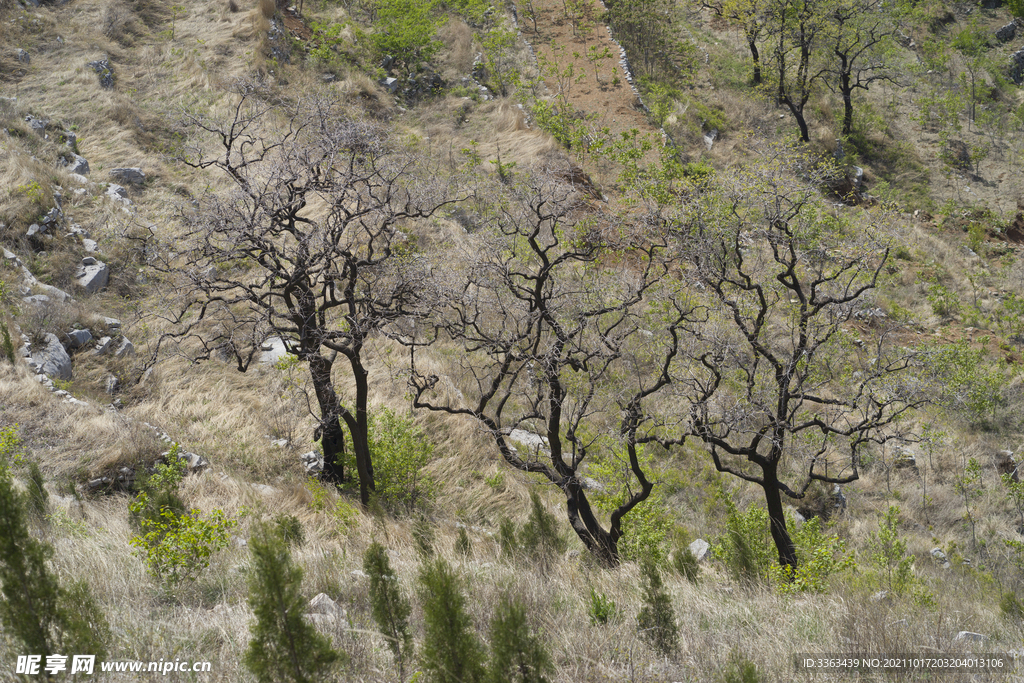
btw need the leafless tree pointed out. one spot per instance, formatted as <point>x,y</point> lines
<point>787,385</point>
<point>549,314</point>
<point>307,245</point>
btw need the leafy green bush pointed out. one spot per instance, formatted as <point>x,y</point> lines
<point>821,556</point>
<point>657,619</point>
<point>178,546</point>
<point>284,647</point>
<point>38,498</point>
<point>12,452</point>
<point>391,609</point>
<point>400,450</point>
<point>405,31</point>
<point>423,535</point>
<point>746,548</point>
<point>160,490</point>
<point>345,516</point>
<point>601,608</point>
<point>889,554</point>
<point>740,670</point>
<point>289,528</point>
<point>451,652</point>
<point>517,654</point>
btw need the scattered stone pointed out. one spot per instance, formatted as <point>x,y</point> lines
<point>313,463</point>
<point>35,229</point>
<point>273,350</point>
<point>92,275</point>
<point>125,349</point>
<point>880,596</point>
<point>1007,33</point>
<point>970,636</point>
<point>37,125</point>
<point>112,385</point>
<point>700,549</point>
<point>117,192</point>
<point>104,70</point>
<point>97,484</point>
<point>112,323</point>
<point>89,245</point>
<point>52,359</point>
<point>1017,67</point>
<point>264,489</point>
<point>710,137</point>
<point>390,84</point>
<point>838,497</point>
<point>79,166</point>
<point>359,574</point>
<point>78,338</point>
<point>68,138</point>
<point>53,216</point>
<point>131,176</point>
<point>938,554</point>
<point>36,300</point>
<point>103,346</point>
<point>535,442</point>
<point>322,604</point>
<point>22,56</point>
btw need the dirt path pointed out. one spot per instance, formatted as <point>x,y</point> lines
<point>597,88</point>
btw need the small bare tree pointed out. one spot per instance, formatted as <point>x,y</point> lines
<point>549,313</point>
<point>783,388</point>
<point>308,246</point>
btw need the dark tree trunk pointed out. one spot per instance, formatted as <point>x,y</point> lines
<point>332,437</point>
<point>756,56</point>
<point>358,425</point>
<point>603,545</point>
<point>777,517</point>
<point>846,88</point>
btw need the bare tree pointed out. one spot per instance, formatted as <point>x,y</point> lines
<point>549,316</point>
<point>784,389</point>
<point>307,246</point>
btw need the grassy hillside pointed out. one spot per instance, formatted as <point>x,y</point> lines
<point>482,110</point>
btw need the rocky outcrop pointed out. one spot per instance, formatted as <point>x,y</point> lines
<point>51,359</point>
<point>129,176</point>
<point>92,275</point>
<point>104,71</point>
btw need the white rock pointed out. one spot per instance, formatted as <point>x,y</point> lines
<point>125,348</point>
<point>700,549</point>
<point>92,275</point>
<point>132,176</point>
<point>53,360</point>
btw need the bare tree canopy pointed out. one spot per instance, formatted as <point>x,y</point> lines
<point>308,246</point>
<point>549,311</point>
<point>779,386</point>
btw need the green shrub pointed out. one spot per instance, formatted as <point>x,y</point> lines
<point>746,547</point>
<point>739,669</point>
<point>821,556</point>
<point>400,450</point>
<point>36,610</point>
<point>686,563</point>
<point>391,609</point>
<point>540,533</point>
<point>657,620</point>
<point>507,538</point>
<point>517,654</point>
<point>284,646</point>
<point>451,652</point>
<point>462,544</point>
<point>178,546</point>
<point>601,608</point>
<point>159,490</point>
<point>1011,606</point>
<point>289,528</point>
<point>405,30</point>
<point>12,452</point>
<point>6,345</point>
<point>38,498</point>
<point>889,554</point>
<point>423,535</point>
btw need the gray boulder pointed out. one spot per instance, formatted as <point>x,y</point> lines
<point>273,350</point>
<point>1007,33</point>
<point>104,70</point>
<point>22,56</point>
<point>313,463</point>
<point>35,229</point>
<point>92,275</point>
<point>117,192</point>
<point>1017,67</point>
<point>52,359</point>
<point>970,637</point>
<point>710,137</point>
<point>37,125</point>
<point>89,245</point>
<point>131,176</point>
<point>78,165</point>
<point>103,346</point>
<point>700,549</point>
<point>78,338</point>
<point>125,348</point>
